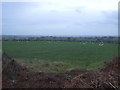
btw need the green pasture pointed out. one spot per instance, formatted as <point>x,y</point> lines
<point>56,56</point>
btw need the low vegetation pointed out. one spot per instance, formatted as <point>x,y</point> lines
<point>17,76</point>
<point>53,56</point>
<point>60,62</point>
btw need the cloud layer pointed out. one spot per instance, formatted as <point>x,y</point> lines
<point>61,17</point>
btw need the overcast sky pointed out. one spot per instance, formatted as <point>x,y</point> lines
<point>61,17</point>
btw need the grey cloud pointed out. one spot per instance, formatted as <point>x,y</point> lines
<point>111,17</point>
<point>80,9</point>
<point>77,10</point>
<point>73,22</point>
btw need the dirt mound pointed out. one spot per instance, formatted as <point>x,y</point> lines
<point>11,68</point>
<point>105,78</point>
<point>11,71</point>
<point>17,76</point>
<point>112,66</point>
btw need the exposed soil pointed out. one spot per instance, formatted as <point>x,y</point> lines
<point>17,76</point>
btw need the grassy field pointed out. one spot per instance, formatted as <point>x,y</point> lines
<point>51,56</point>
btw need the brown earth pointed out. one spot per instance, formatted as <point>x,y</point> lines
<point>17,76</point>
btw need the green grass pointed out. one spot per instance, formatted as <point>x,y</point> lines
<point>50,56</point>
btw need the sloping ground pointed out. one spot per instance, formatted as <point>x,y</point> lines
<point>17,76</point>
<point>0,73</point>
<point>107,77</point>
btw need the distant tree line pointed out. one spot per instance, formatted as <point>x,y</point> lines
<point>70,39</point>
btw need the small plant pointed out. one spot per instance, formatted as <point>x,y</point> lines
<point>70,75</point>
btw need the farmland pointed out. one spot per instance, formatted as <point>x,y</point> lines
<point>58,56</point>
